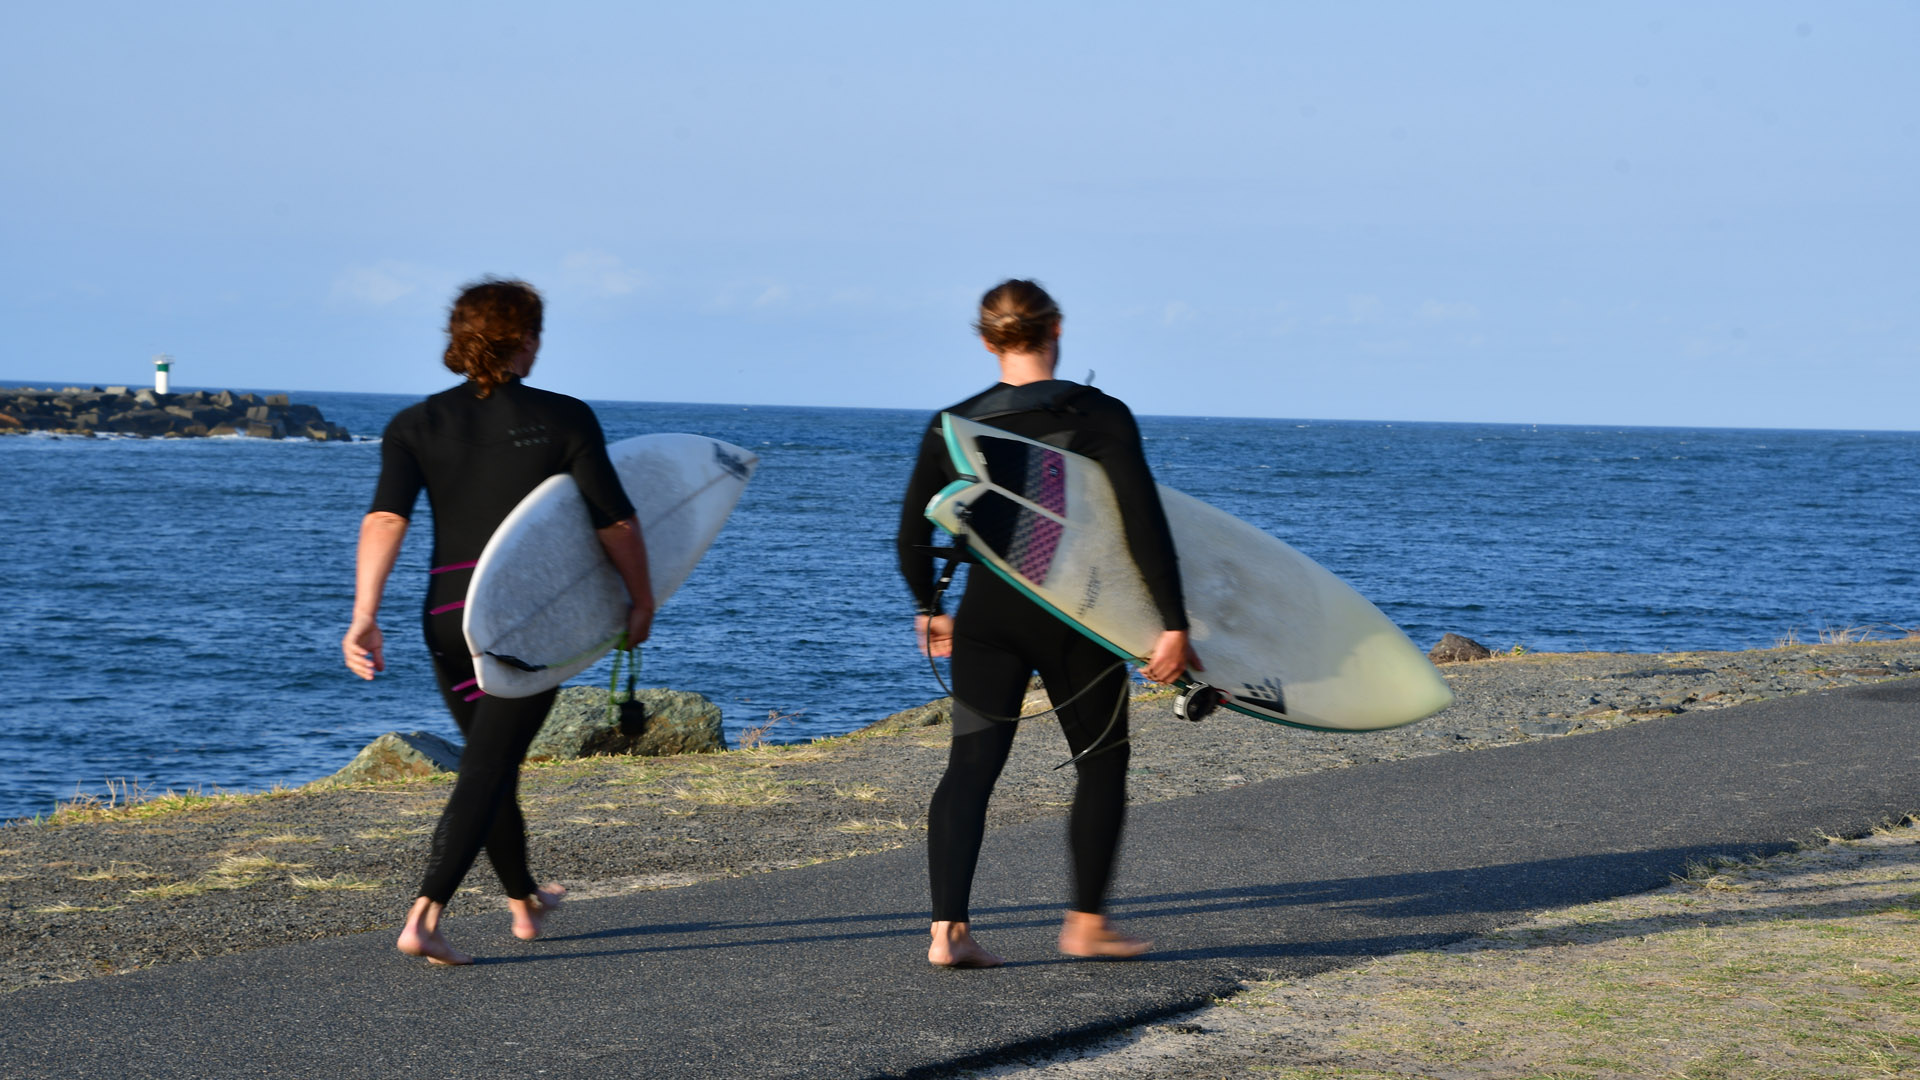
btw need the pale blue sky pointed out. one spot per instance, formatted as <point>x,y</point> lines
<point>1622,214</point>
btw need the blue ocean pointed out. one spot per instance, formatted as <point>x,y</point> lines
<point>174,608</point>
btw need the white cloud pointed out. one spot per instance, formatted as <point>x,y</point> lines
<point>1365,309</point>
<point>1447,311</point>
<point>774,294</point>
<point>1177,312</point>
<point>600,273</point>
<point>377,285</point>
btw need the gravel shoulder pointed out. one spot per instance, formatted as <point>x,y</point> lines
<point>94,891</point>
<point>1802,965</point>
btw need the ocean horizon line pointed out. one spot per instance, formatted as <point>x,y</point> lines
<point>57,384</point>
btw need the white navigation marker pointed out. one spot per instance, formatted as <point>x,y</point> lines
<point>161,363</point>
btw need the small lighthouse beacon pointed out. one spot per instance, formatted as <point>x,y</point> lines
<point>161,364</point>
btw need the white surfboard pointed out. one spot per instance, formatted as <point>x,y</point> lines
<point>1288,641</point>
<point>545,602</point>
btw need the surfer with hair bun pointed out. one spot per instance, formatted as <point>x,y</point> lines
<point>477,449</point>
<point>1000,637</point>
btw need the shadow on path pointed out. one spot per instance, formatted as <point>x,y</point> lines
<point>1505,889</point>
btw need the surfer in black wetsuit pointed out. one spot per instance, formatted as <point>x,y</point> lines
<point>478,449</point>
<point>1000,638</point>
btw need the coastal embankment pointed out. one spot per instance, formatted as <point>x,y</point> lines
<point>100,889</point>
<point>116,410</point>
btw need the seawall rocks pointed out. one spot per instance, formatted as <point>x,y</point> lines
<point>115,410</point>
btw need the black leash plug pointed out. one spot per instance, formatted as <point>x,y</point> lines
<point>1196,702</point>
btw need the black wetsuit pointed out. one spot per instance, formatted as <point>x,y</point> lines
<point>1001,638</point>
<point>477,458</point>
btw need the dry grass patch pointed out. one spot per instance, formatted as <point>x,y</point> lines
<point>774,755</point>
<point>70,909</point>
<point>878,825</point>
<point>736,791</point>
<point>336,883</point>
<point>1799,966</point>
<point>237,867</point>
<point>860,792</point>
<point>231,872</point>
<point>117,871</point>
<point>651,772</point>
<point>1804,965</point>
<point>291,838</point>
<point>174,890</point>
<point>395,833</point>
<point>126,800</point>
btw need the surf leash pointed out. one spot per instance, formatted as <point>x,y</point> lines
<point>630,714</point>
<point>955,556</point>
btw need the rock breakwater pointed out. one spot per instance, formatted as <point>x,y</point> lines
<point>117,410</point>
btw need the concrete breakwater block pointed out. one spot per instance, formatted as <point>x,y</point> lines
<point>144,413</point>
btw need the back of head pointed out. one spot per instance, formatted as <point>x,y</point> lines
<point>1017,316</point>
<point>491,321</point>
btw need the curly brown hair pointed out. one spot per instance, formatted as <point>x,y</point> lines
<point>490,322</point>
<point>1017,316</point>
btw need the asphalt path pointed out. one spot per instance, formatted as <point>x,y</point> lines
<point>820,972</point>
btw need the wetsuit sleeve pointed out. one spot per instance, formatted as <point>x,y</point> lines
<point>401,477</point>
<point>1119,452</point>
<point>929,476</point>
<point>593,470</point>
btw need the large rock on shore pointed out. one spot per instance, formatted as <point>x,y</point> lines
<point>396,756</point>
<point>678,722</point>
<point>1454,649</point>
<point>933,712</point>
<point>940,711</point>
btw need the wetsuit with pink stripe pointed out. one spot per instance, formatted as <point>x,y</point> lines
<point>476,458</point>
<point>1000,638</point>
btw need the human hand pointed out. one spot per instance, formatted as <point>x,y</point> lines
<point>639,622</point>
<point>1172,657</point>
<point>934,634</point>
<point>365,648</point>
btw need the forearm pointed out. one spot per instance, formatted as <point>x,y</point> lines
<point>1149,538</point>
<point>915,531</point>
<point>381,533</point>
<point>627,548</point>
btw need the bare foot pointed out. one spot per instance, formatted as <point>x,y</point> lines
<point>1088,936</point>
<point>530,914</point>
<point>954,947</point>
<point>421,936</point>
